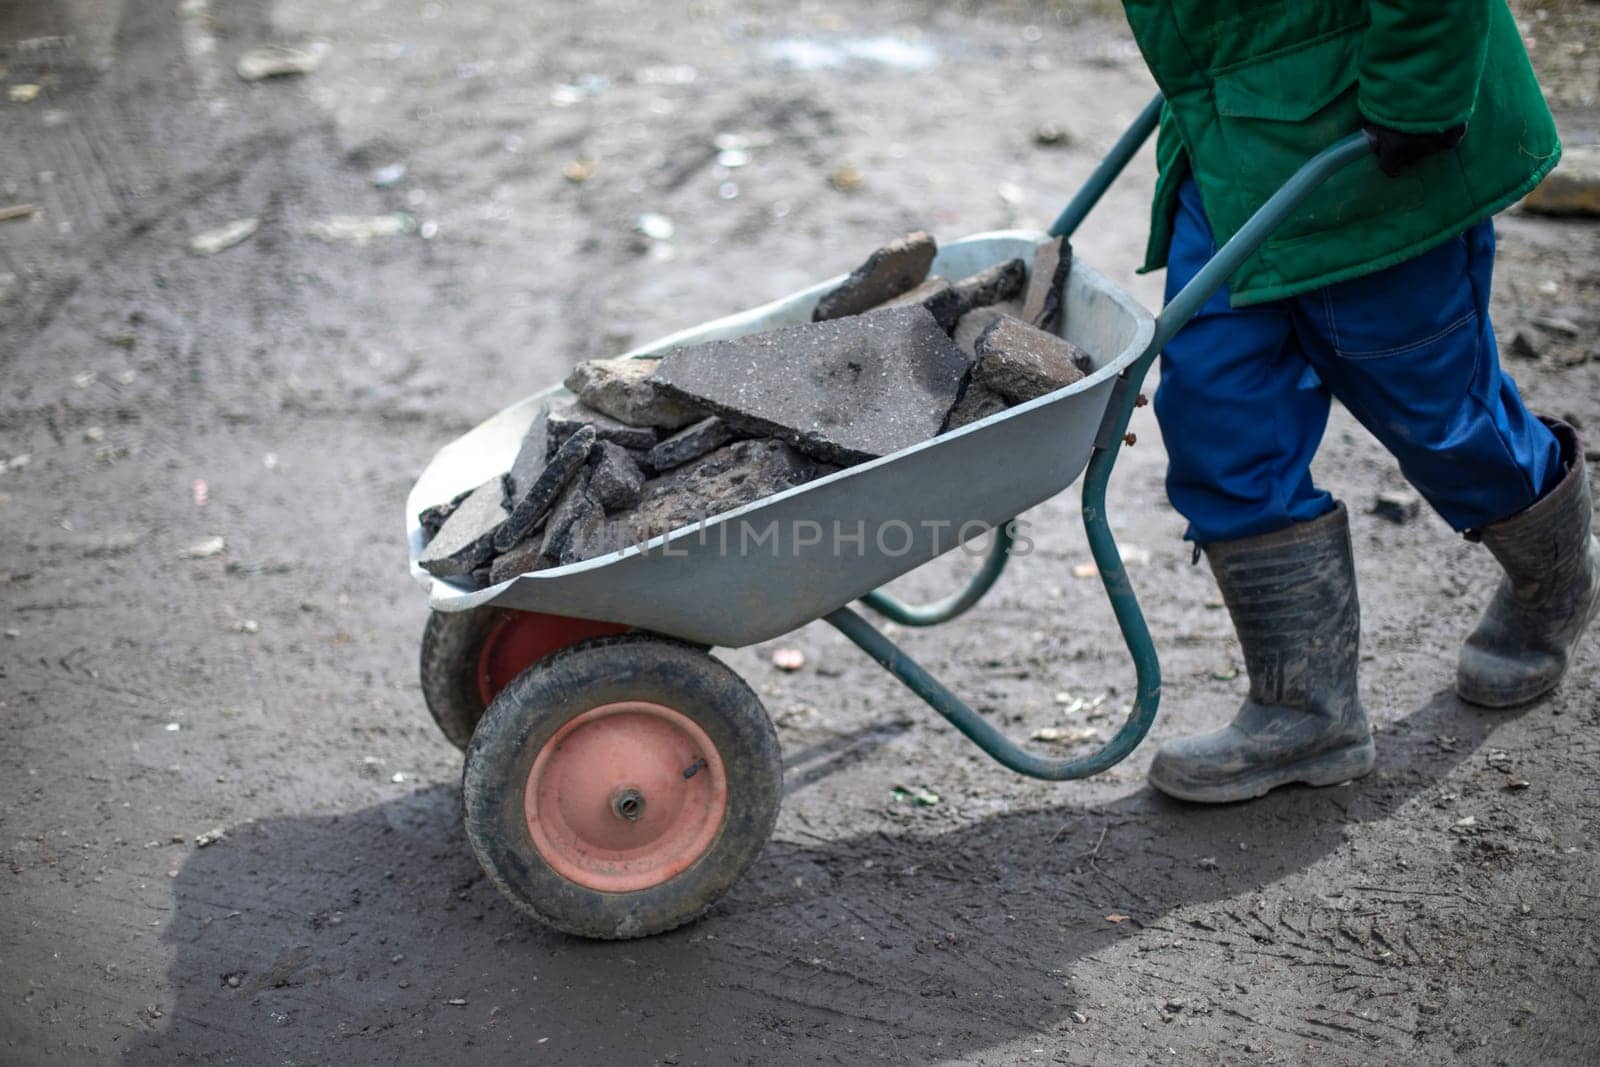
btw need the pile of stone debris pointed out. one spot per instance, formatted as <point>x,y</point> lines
<point>891,358</point>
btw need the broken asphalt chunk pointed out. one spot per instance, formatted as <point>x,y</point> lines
<point>622,389</point>
<point>432,519</point>
<point>978,402</point>
<point>896,268</point>
<point>568,416</point>
<point>996,285</point>
<point>690,443</point>
<point>541,495</point>
<point>532,456</point>
<point>466,539</point>
<point>520,560</point>
<point>843,391</point>
<point>1041,306</point>
<point>615,480</point>
<point>1020,362</point>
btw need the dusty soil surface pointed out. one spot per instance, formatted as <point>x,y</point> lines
<point>1437,911</point>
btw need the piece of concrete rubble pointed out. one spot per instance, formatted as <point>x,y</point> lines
<point>842,392</point>
<point>586,537</point>
<point>996,285</point>
<point>466,540</point>
<point>690,443</point>
<point>622,389</point>
<point>933,294</point>
<point>535,504</point>
<point>978,402</point>
<point>568,415</point>
<point>896,268</point>
<point>575,501</point>
<point>1021,362</point>
<point>730,477</point>
<point>532,456</point>
<point>520,560</point>
<point>973,323</point>
<point>1397,505</point>
<point>1041,305</point>
<point>615,480</point>
<point>432,519</point>
<point>1573,188</point>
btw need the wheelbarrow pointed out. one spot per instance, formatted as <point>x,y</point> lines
<point>619,778</point>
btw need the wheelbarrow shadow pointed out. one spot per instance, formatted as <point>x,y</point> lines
<point>374,936</point>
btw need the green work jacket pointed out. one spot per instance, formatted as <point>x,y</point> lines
<point>1254,88</point>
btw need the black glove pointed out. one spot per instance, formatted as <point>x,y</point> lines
<point>1398,150</point>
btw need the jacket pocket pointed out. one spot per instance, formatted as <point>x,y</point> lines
<point>1275,112</point>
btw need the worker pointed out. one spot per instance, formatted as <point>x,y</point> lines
<point>1376,292</point>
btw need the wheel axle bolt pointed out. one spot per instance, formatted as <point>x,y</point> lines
<point>627,804</point>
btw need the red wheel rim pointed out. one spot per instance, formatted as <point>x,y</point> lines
<point>625,797</point>
<point>519,639</point>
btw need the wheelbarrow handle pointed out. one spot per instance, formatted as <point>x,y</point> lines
<point>1102,543</point>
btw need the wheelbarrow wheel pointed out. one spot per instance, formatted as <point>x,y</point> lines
<point>619,787</point>
<point>469,656</point>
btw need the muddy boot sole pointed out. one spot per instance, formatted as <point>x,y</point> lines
<point>1323,769</point>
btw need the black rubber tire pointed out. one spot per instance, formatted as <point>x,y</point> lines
<point>451,642</point>
<point>601,671</point>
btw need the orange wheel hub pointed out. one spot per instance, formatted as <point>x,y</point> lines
<point>626,796</point>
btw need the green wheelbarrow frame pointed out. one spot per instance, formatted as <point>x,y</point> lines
<point>1102,543</point>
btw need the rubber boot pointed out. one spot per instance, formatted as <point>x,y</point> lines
<point>1292,596</point>
<point>1550,591</point>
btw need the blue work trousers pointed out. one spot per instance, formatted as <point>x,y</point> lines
<point>1245,392</point>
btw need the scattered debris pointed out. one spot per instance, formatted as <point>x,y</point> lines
<point>578,171</point>
<point>1049,135</point>
<point>1067,735</point>
<point>854,389</point>
<point>1573,188</point>
<point>1397,505</point>
<point>387,177</point>
<point>656,227</point>
<point>896,268</point>
<point>1225,674</point>
<point>199,491</point>
<point>24,94</point>
<point>847,179</point>
<point>246,626</point>
<point>788,659</point>
<point>1207,863</point>
<point>279,61</point>
<point>1080,1018</point>
<point>1114,917</point>
<point>359,229</point>
<point>1523,345</point>
<point>210,837</point>
<point>211,546</point>
<point>623,389</point>
<point>917,795</point>
<point>1084,570</point>
<point>222,238</point>
<point>16,211</point>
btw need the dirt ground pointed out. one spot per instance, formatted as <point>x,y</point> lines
<point>1441,910</point>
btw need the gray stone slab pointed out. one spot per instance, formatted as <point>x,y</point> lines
<point>432,519</point>
<point>615,480</point>
<point>567,415</point>
<point>535,504</point>
<point>690,443</point>
<point>1041,305</point>
<point>842,391</point>
<point>730,477</point>
<point>533,454</point>
<point>586,536</point>
<point>622,389</point>
<point>978,402</point>
<point>1021,362</point>
<point>895,268</point>
<point>466,540</point>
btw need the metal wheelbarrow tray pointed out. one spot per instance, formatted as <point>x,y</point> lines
<point>776,564</point>
<point>619,778</point>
